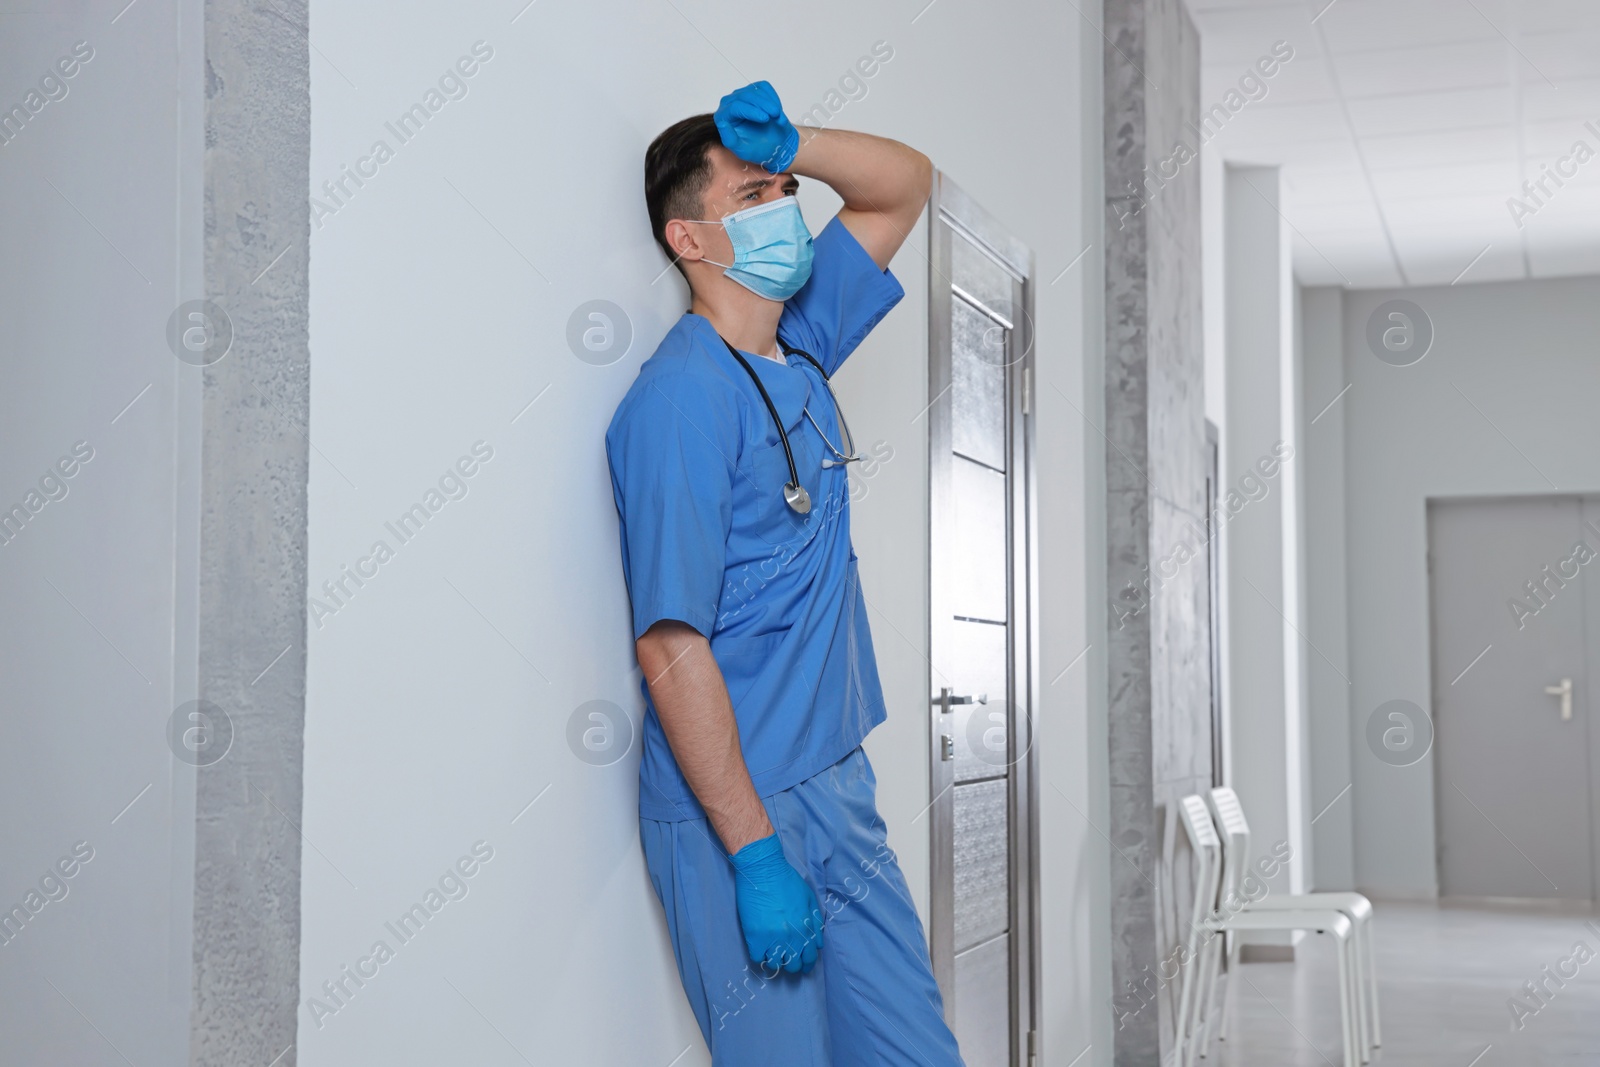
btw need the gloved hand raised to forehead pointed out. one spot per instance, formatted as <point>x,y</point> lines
<point>754,127</point>
<point>778,912</point>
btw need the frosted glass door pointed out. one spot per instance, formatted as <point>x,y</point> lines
<point>980,906</point>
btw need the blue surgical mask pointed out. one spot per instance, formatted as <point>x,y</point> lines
<point>771,248</point>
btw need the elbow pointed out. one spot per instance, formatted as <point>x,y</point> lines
<point>663,644</point>
<point>924,179</point>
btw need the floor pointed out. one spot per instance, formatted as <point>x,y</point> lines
<point>1445,978</point>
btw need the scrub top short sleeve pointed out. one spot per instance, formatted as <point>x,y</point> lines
<point>845,297</point>
<point>673,487</point>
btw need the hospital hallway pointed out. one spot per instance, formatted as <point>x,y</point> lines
<point>689,533</point>
<point>1441,975</point>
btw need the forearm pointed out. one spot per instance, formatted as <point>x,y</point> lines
<point>691,700</point>
<point>869,173</point>
<point>883,183</point>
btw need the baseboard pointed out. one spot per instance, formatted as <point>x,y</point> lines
<point>1542,904</point>
<point>1400,896</point>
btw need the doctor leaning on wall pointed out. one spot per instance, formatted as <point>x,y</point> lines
<point>795,934</point>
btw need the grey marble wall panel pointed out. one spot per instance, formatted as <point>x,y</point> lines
<point>1180,679</point>
<point>1158,644</point>
<point>254,456</point>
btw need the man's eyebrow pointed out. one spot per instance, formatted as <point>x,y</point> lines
<point>790,184</point>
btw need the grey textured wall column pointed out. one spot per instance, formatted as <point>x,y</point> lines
<point>1158,633</point>
<point>253,533</point>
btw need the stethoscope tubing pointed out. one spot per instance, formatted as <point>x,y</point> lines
<point>794,475</point>
<point>772,409</point>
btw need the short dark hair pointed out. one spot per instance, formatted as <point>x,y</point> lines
<point>677,169</point>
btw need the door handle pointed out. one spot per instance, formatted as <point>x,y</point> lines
<point>946,699</point>
<point>1564,691</point>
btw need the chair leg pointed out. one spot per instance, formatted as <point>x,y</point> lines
<point>1202,1007</point>
<point>1351,1059</point>
<point>1358,997</point>
<point>1204,1017</point>
<point>1363,1052</point>
<point>1227,991</point>
<point>1184,1037</point>
<point>1358,990</point>
<point>1371,979</point>
<point>1205,994</point>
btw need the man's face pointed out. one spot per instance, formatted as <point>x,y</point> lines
<point>734,186</point>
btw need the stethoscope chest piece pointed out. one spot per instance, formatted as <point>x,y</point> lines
<point>796,497</point>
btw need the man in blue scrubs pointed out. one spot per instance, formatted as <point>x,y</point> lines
<point>795,935</point>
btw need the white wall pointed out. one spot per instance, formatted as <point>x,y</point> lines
<point>1214,307</point>
<point>439,695</point>
<point>1213,278</point>
<point>1502,404</point>
<point>1327,659</point>
<point>100,215</point>
<point>1259,498</point>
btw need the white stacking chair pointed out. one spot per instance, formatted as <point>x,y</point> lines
<point>1355,907</point>
<point>1208,874</point>
<point>1209,922</point>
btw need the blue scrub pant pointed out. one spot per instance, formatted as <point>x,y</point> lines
<point>871,998</point>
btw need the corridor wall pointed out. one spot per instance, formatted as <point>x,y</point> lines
<point>449,690</point>
<point>1516,356</point>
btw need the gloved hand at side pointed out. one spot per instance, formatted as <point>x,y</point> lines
<point>754,128</point>
<point>778,912</point>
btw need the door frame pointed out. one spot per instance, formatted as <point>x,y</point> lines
<point>950,211</point>
<point>1212,463</point>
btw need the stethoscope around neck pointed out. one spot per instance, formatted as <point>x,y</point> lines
<point>794,494</point>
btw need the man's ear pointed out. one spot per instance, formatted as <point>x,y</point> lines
<point>683,241</point>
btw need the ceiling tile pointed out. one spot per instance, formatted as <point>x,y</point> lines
<point>1493,179</point>
<point>1431,261</point>
<point>1294,83</point>
<point>1564,261</point>
<point>1349,217</point>
<point>1559,56</point>
<point>1543,16</point>
<point>1575,98</point>
<point>1467,213</point>
<point>1308,155</point>
<point>1326,185</point>
<point>1286,122</point>
<point>1441,148</point>
<point>1205,7</point>
<point>1575,209</point>
<point>1547,142</point>
<point>1353,25</point>
<point>1237,35</point>
<point>1437,68</point>
<point>1431,112</point>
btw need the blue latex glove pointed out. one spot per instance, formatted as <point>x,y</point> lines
<point>778,912</point>
<point>754,128</point>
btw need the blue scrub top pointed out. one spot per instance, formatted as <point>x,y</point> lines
<point>697,472</point>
